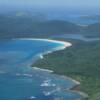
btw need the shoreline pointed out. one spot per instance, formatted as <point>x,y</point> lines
<point>66,44</point>
<point>73,89</point>
<point>41,56</point>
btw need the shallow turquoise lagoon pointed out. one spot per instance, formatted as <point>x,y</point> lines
<point>19,81</point>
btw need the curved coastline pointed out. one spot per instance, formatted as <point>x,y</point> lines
<point>66,44</point>
<point>40,56</point>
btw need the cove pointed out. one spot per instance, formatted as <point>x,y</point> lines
<point>19,81</point>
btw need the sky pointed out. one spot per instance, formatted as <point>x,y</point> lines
<point>54,3</point>
<point>89,6</point>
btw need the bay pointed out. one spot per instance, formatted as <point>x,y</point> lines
<point>19,81</point>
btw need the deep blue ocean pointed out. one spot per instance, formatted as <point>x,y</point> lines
<point>20,81</point>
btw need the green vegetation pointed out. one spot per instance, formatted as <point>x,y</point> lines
<point>93,29</point>
<point>16,26</point>
<point>81,62</point>
<point>32,26</point>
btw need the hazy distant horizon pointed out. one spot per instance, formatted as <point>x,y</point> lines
<point>54,3</point>
<point>81,6</point>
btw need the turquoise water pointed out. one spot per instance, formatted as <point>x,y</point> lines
<point>19,81</point>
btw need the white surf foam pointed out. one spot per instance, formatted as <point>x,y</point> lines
<point>66,44</point>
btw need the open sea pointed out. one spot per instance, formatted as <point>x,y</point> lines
<point>20,81</point>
